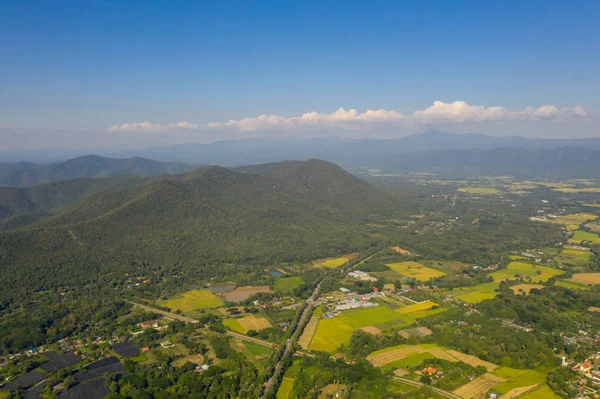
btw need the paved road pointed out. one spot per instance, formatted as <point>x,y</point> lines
<point>417,384</point>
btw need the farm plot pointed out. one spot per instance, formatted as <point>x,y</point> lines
<point>480,292</point>
<point>479,190</point>
<point>579,236</point>
<point>409,355</point>
<point>247,323</point>
<point>478,387</point>
<point>192,300</point>
<point>574,257</point>
<point>585,278</point>
<point>416,307</point>
<point>516,378</point>
<point>573,221</point>
<point>242,293</point>
<point>526,271</point>
<point>472,360</point>
<point>525,288</point>
<point>308,333</point>
<point>415,270</point>
<point>543,392</point>
<point>287,284</point>
<point>571,285</point>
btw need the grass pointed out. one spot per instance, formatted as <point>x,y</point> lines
<point>287,284</point>
<point>573,221</point>
<point>331,333</point>
<point>479,190</point>
<point>571,285</point>
<point>192,300</point>
<point>415,270</point>
<point>580,235</point>
<point>244,324</point>
<point>285,388</point>
<point>527,271</point>
<point>480,293</point>
<point>409,361</point>
<point>585,278</point>
<point>525,288</point>
<point>579,190</point>
<point>574,257</point>
<point>543,392</point>
<point>332,263</point>
<point>416,307</point>
<point>257,349</point>
<point>517,378</point>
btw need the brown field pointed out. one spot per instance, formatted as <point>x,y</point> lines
<point>525,288</point>
<point>401,372</point>
<point>371,330</point>
<point>329,389</point>
<point>402,251</point>
<point>416,332</point>
<point>252,322</point>
<point>479,386</point>
<point>308,332</point>
<point>586,278</point>
<point>196,359</point>
<point>593,309</point>
<point>242,293</point>
<point>472,360</point>
<point>517,392</point>
<point>442,354</point>
<point>382,359</point>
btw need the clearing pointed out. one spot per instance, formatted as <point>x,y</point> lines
<point>192,300</point>
<point>244,324</point>
<point>286,284</point>
<point>585,278</point>
<point>525,288</point>
<point>415,270</point>
<point>479,386</point>
<point>242,293</point>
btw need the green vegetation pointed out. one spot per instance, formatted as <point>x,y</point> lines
<point>480,293</point>
<point>415,270</point>
<point>480,190</point>
<point>525,271</point>
<point>192,300</point>
<point>287,284</point>
<point>580,236</point>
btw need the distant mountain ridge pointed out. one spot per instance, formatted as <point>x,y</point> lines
<point>24,174</point>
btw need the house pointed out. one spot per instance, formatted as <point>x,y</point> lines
<point>345,290</point>
<point>145,349</point>
<point>428,370</point>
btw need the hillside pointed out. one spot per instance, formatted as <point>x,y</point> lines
<point>23,174</point>
<point>298,211</point>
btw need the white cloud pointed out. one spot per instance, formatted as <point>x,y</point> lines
<point>440,113</point>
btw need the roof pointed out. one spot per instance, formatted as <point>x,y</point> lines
<point>57,361</point>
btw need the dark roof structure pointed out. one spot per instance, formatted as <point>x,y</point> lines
<point>24,381</point>
<point>57,361</point>
<point>35,392</point>
<point>126,349</point>
<point>94,389</point>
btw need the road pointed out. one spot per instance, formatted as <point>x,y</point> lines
<point>417,384</point>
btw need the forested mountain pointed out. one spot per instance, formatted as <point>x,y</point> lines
<point>27,174</point>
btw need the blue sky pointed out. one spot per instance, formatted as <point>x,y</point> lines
<point>86,66</point>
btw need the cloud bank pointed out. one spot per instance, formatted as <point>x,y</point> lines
<point>438,114</point>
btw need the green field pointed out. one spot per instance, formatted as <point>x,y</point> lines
<point>580,235</point>
<point>331,333</point>
<point>285,388</point>
<point>573,221</point>
<point>257,349</point>
<point>416,307</point>
<point>480,293</point>
<point>574,258</point>
<point>526,271</point>
<point>517,378</point>
<point>337,262</point>
<point>192,300</point>
<point>409,361</point>
<point>287,284</point>
<point>571,285</point>
<point>543,392</point>
<point>480,190</point>
<point>415,270</point>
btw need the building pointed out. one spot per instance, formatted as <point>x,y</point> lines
<point>345,290</point>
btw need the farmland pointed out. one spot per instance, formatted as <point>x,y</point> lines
<point>242,293</point>
<point>585,278</point>
<point>480,190</point>
<point>415,270</point>
<point>542,392</point>
<point>330,333</point>
<point>247,323</point>
<point>580,236</point>
<point>416,307</point>
<point>571,285</point>
<point>527,271</point>
<point>578,190</point>
<point>573,221</point>
<point>478,387</point>
<point>516,378</point>
<point>574,258</point>
<point>525,288</point>
<point>480,293</point>
<point>192,300</point>
<point>287,284</point>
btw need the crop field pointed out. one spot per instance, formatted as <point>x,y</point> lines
<point>287,383</point>
<point>578,190</point>
<point>571,285</point>
<point>247,323</point>
<point>480,293</point>
<point>308,333</point>
<point>479,386</point>
<point>542,392</point>
<point>593,205</point>
<point>525,288</point>
<point>472,360</point>
<point>580,235</point>
<point>332,332</point>
<point>416,307</point>
<point>585,278</point>
<point>573,221</point>
<point>192,300</point>
<point>480,190</point>
<point>516,378</point>
<point>242,293</point>
<point>415,270</point>
<point>286,284</point>
<point>525,270</point>
<point>574,257</point>
<point>334,262</point>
